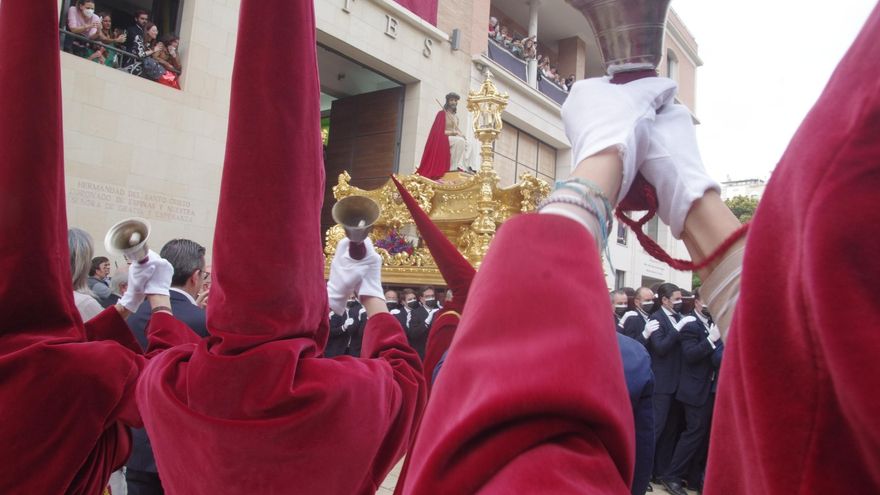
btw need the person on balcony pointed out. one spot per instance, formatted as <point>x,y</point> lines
<point>165,52</point>
<point>81,20</point>
<point>110,37</point>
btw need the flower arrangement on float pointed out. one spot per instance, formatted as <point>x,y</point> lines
<point>395,243</point>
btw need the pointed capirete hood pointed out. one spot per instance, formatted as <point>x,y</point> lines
<point>456,270</point>
<point>267,256</point>
<point>34,257</point>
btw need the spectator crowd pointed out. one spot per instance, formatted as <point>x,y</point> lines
<point>135,47</point>
<point>526,48</point>
<point>670,347</point>
<point>684,348</point>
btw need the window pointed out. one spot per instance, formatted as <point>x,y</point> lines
<point>652,228</point>
<point>517,152</point>
<point>671,65</point>
<point>112,44</point>
<point>619,279</point>
<point>622,233</point>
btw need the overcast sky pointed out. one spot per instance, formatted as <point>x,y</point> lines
<point>765,64</point>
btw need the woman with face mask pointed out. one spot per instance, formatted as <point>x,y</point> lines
<point>81,20</point>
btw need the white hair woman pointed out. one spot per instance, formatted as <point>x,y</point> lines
<point>79,243</point>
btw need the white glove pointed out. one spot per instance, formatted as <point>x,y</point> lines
<point>626,316</point>
<point>430,317</point>
<point>370,272</point>
<point>343,278</point>
<point>714,333</point>
<point>160,282</point>
<point>598,115</point>
<point>684,321</point>
<point>348,322</point>
<point>138,276</point>
<point>651,326</point>
<point>673,166</point>
<point>349,275</point>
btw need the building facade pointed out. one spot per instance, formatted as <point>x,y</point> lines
<point>750,188</point>
<point>137,148</point>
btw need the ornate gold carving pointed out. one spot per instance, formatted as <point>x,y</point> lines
<point>467,208</point>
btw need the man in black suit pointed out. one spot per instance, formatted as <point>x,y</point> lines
<point>392,300</point>
<point>188,260</point>
<point>339,338</point>
<point>697,471</point>
<point>413,319</point>
<point>633,323</point>
<point>698,340</point>
<point>356,322</point>
<point>620,306</point>
<point>664,345</point>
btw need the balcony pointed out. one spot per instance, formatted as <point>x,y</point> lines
<point>564,47</point>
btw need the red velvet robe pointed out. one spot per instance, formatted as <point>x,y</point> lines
<point>530,401</point>
<point>436,158</point>
<point>68,402</point>
<point>66,389</point>
<point>280,419</point>
<point>798,409</point>
<point>256,408</point>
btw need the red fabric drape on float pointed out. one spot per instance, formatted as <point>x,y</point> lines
<point>436,158</point>
<point>65,401</point>
<point>456,271</point>
<point>797,400</point>
<point>530,400</point>
<point>256,407</point>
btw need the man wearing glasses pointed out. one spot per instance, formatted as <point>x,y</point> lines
<point>188,259</point>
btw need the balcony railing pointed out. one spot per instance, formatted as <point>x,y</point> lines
<point>115,57</point>
<point>503,57</point>
<point>519,68</point>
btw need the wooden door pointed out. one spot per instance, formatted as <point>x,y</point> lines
<point>364,140</point>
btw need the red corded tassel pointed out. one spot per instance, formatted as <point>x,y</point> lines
<point>642,196</point>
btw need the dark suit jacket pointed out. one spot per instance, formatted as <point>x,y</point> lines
<point>194,317</point>
<point>665,350</point>
<point>417,330</point>
<point>697,370</point>
<point>185,311</point>
<point>633,328</point>
<point>337,341</point>
<point>640,385</point>
<point>356,331</point>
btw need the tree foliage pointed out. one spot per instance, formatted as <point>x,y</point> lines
<point>742,206</point>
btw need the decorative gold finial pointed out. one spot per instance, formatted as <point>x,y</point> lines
<point>486,106</point>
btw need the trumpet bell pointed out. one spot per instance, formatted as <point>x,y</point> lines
<point>356,214</point>
<point>129,238</point>
<point>629,32</point>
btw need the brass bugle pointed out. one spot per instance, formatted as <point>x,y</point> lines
<point>129,239</point>
<point>356,214</point>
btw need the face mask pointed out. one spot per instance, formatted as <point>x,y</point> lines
<point>647,307</point>
<point>90,12</point>
<point>676,306</point>
<point>393,306</point>
<point>351,303</point>
<point>431,303</point>
<point>705,312</point>
<point>620,309</point>
<point>412,304</point>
